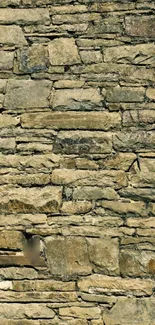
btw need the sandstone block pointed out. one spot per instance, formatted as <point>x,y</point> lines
<point>100,284</point>
<point>140,311</point>
<point>25,220</point>
<point>115,179</point>
<point>131,54</point>
<point>125,94</point>
<point>81,312</point>
<point>137,263</point>
<point>71,84</point>
<point>69,120</point>
<point>118,161</point>
<point>135,118</point>
<point>123,208</point>
<point>67,256</point>
<point>8,121</point>
<point>94,193</point>
<point>11,240</point>
<point>19,200</point>
<point>18,273</point>
<point>63,51</point>
<point>143,26</point>
<point>150,93</point>
<point>27,94</point>
<point>24,16</point>
<point>65,9</point>
<point>43,285</point>
<point>12,35</point>
<point>110,6</point>
<point>137,140</point>
<point>104,255</point>
<point>77,207</point>
<point>76,98</point>
<point>75,142</point>
<point>6,60</point>
<point>7,144</point>
<point>20,311</point>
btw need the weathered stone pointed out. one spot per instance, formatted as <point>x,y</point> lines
<point>141,222</point>
<point>143,117</point>
<point>131,54</point>
<point>19,200</point>
<point>76,18</point>
<point>27,94</point>
<point>43,285</point>
<point>91,56</point>
<point>78,142</point>
<point>77,207</point>
<point>18,273</point>
<point>110,6</point>
<point>8,121</point>
<point>3,83</point>
<point>137,263</point>
<point>22,260</point>
<point>11,240</point>
<point>118,161</point>
<point>63,51</point>
<point>127,310</point>
<point>81,312</point>
<point>71,120</point>
<point>24,16</point>
<point>67,256</point>
<point>143,26</point>
<point>145,194</point>
<point>106,25</point>
<point>125,94</point>
<point>7,143</point>
<point>82,163</point>
<point>32,59</point>
<point>150,93</point>
<point>6,285</point>
<point>115,179</point>
<point>6,60</point>
<point>138,141</point>
<point>22,219</point>
<point>18,322</point>
<point>104,255</point>
<point>100,284</point>
<point>76,98</point>
<point>25,179</point>
<point>12,35</point>
<point>68,9</point>
<point>123,207</point>
<point>94,193</point>
<point>69,84</point>
<point>5,3</point>
<point>59,297</point>
<point>20,311</point>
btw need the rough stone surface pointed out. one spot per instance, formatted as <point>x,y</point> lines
<point>77,162</point>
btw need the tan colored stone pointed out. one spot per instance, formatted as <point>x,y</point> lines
<point>91,56</point>
<point>19,273</point>
<point>3,83</point>
<point>22,219</point>
<point>7,143</point>
<point>124,207</point>
<point>67,256</point>
<point>128,311</point>
<point>11,240</point>
<point>79,142</point>
<point>69,84</point>
<point>94,193</point>
<point>68,9</point>
<point>43,285</point>
<point>27,94</point>
<point>6,60</point>
<point>100,284</point>
<point>24,16</point>
<point>75,19</point>
<point>79,207</point>
<point>8,121</point>
<point>135,118</point>
<point>80,312</point>
<point>20,311</point>
<point>104,254</point>
<point>34,296</point>
<point>63,51</point>
<point>19,200</point>
<point>137,263</point>
<point>118,161</point>
<point>6,285</point>
<point>150,93</point>
<point>25,179</point>
<point>12,35</point>
<point>18,322</point>
<point>82,163</point>
<point>143,26</point>
<point>134,54</point>
<point>74,98</point>
<point>115,179</point>
<point>110,6</point>
<point>71,120</point>
<point>125,94</point>
<point>141,222</point>
<point>138,141</point>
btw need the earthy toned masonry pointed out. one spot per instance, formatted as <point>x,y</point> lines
<point>77,162</point>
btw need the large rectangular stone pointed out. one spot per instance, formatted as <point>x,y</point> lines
<point>6,60</point>
<point>125,94</point>
<point>24,16</point>
<point>115,179</point>
<point>79,142</point>
<point>70,120</point>
<point>12,35</point>
<point>137,263</point>
<point>30,310</point>
<point>29,200</point>
<point>11,240</point>
<point>143,26</point>
<point>139,141</point>
<point>27,94</point>
<point>100,284</point>
<point>131,54</point>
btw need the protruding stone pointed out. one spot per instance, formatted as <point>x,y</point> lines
<point>63,51</point>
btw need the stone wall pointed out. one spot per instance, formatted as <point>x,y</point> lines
<point>77,162</point>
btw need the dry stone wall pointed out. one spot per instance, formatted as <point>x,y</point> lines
<point>77,162</point>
